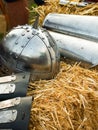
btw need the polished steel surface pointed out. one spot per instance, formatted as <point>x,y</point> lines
<point>77,48</point>
<point>10,103</point>
<point>7,78</point>
<point>8,116</point>
<point>75,25</point>
<point>7,88</point>
<point>27,49</point>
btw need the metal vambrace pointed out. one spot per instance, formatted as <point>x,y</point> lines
<point>73,25</point>
<point>15,113</point>
<point>14,85</point>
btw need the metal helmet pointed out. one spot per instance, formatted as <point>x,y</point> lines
<point>25,48</point>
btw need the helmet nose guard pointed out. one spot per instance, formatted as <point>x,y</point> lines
<point>27,49</point>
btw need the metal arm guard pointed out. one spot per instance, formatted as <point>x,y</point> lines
<point>14,85</point>
<point>75,36</point>
<point>27,49</point>
<point>74,25</point>
<point>77,48</point>
<point>15,113</point>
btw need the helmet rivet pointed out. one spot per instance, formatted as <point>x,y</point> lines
<point>23,34</point>
<point>22,46</point>
<point>28,37</point>
<point>16,43</point>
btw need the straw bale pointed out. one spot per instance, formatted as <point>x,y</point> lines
<point>52,6</point>
<point>70,100</point>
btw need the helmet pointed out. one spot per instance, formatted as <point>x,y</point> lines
<point>25,48</point>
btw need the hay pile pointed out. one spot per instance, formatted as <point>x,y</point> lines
<point>53,6</point>
<point>70,101</point>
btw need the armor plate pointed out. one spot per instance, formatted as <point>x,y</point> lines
<point>74,25</point>
<point>77,48</point>
<point>27,49</point>
<point>14,85</point>
<point>15,113</point>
